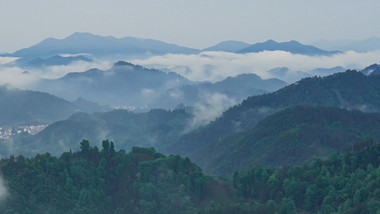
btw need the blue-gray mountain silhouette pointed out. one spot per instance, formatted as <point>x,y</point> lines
<point>228,46</point>
<point>293,47</point>
<point>79,43</point>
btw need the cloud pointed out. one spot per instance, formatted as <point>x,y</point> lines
<point>11,74</point>
<point>53,72</point>
<point>7,60</point>
<point>215,66</point>
<point>16,77</point>
<point>208,108</point>
<point>3,190</point>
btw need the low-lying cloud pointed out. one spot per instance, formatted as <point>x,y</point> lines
<point>208,108</point>
<point>215,66</point>
<point>11,74</point>
<point>3,190</point>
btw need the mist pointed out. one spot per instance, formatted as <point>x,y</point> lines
<point>3,190</point>
<point>215,66</point>
<point>25,78</point>
<point>208,108</point>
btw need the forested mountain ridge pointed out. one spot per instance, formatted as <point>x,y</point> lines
<point>155,128</point>
<point>108,181</point>
<point>293,136</point>
<point>144,181</point>
<point>25,107</point>
<point>344,183</point>
<point>350,90</point>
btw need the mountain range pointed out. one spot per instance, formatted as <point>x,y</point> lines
<point>155,128</point>
<point>129,85</point>
<point>293,47</point>
<point>56,60</point>
<point>348,90</point>
<point>24,107</point>
<point>228,46</point>
<point>131,47</point>
<point>293,136</point>
<point>86,43</point>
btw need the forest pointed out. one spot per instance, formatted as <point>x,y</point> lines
<point>94,180</point>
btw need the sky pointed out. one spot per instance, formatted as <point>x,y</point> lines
<point>192,23</point>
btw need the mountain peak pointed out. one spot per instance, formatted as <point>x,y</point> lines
<point>228,46</point>
<point>270,41</point>
<point>122,63</point>
<point>293,47</point>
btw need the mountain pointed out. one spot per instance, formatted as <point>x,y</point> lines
<point>350,90</point>
<point>288,75</point>
<point>326,71</point>
<point>344,183</point>
<point>293,47</point>
<point>291,76</point>
<point>124,85</point>
<point>21,107</point>
<point>131,86</point>
<point>38,62</point>
<point>228,46</point>
<point>371,70</point>
<point>235,88</point>
<point>290,137</point>
<point>155,128</point>
<point>89,106</point>
<point>80,43</point>
<point>24,107</point>
<point>108,181</point>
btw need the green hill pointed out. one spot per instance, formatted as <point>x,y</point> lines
<point>108,181</point>
<point>344,183</point>
<point>290,137</point>
<point>349,90</point>
<point>21,107</point>
<point>144,181</point>
<point>155,128</point>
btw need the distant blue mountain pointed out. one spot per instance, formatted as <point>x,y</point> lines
<point>124,84</point>
<point>27,62</point>
<point>134,86</point>
<point>371,70</point>
<point>228,46</point>
<point>293,47</point>
<point>79,43</point>
<point>326,71</point>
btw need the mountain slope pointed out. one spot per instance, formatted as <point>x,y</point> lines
<point>56,60</point>
<point>108,181</point>
<point>235,88</point>
<point>124,85</point>
<point>371,70</point>
<point>155,128</point>
<point>293,47</point>
<point>133,86</point>
<point>19,107</point>
<point>79,43</point>
<point>293,136</point>
<point>228,46</point>
<point>351,90</point>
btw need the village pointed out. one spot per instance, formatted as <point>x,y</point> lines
<point>7,133</point>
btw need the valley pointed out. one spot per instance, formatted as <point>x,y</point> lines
<point>233,115</point>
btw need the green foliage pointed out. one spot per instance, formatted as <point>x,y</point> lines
<point>156,128</point>
<point>345,183</point>
<point>349,90</point>
<point>105,181</point>
<point>290,137</point>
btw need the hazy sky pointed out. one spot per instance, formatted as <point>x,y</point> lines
<point>193,23</point>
